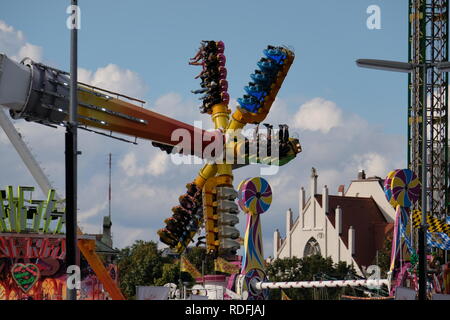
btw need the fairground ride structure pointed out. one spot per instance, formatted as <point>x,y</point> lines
<point>39,93</point>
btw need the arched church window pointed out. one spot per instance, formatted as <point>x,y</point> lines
<point>311,248</point>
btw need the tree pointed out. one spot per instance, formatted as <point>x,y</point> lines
<point>308,268</point>
<point>142,264</point>
<point>199,258</point>
<point>139,265</point>
<point>170,274</point>
<point>384,257</point>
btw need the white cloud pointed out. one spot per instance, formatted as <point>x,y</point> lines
<point>126,236</point>
<point>3,138</point>
<point>14,44</point>
<point>111,77</point>
<point>156,165</point>
<point>374,164</point>
<point>129,165</point>
<point>173,105</point>
<point>30,51</point>
<point>278,113</point>
<point>114,78</point>
<point>318,114</point>
<point>93,211</point>
<point>122,236</point>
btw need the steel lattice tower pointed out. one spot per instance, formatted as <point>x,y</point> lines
<point>428,45</point>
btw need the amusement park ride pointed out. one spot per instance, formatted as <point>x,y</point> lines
<point>39,93</point>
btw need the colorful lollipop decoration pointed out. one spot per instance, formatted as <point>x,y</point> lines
<point>240,190</point>
<point>402,190</point>
<point>405,188</point>
<point>255,195</point>
<point>388,190</point>
<point>254,198</point>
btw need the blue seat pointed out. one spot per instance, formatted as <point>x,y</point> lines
<point>256,91</point>
<point>275,54</point>
<point>270,67</point>
<point>262,79</point>
<point>249,104</point>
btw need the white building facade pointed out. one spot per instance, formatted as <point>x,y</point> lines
<point>351,226</point>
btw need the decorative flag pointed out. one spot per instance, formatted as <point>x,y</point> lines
<point>284,296</point>
<point>223,265</point>
<point>434,224</point>
<point>187,266</point>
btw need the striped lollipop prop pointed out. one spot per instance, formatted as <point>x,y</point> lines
<point>255,195</point>
<point>240,190</point>
<point>402,189</point>
<point>405,187</point>
<point>388,190</point>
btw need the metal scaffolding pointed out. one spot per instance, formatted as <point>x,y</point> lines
<point>428,45</point>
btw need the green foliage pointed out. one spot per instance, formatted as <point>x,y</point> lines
<point>140,265</point>
<point>384,257</point>
<point>198,257</point>
<point>170,274</point>
<point>310,268</point>
<point>200,260</point>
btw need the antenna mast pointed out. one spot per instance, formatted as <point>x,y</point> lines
<point>109,189</point>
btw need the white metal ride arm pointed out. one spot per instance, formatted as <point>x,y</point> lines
<point>321,284</point>
<point>233,294</point>
<point>26,155</point>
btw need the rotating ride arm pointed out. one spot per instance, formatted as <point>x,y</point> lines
<point>214,86</point>
<point>39,93</point>
<point>253,109</point>
<point>261,92</point>
<point>14,96</point>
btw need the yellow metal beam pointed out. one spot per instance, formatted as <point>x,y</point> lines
<point>87,248</point>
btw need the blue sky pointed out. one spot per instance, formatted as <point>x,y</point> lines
<point>347,118</point>
<point>156,38</point>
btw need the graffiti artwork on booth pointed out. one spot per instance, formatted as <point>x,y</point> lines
<point>25,275</point>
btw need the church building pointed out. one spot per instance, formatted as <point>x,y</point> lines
<point>350,226</point>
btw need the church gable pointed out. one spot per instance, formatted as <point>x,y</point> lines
<point>343,227</point>
<point>364,215</point>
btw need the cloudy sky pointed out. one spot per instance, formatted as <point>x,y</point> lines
<point>347,118</point>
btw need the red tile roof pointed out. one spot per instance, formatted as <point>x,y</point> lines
<point>371,227</point>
